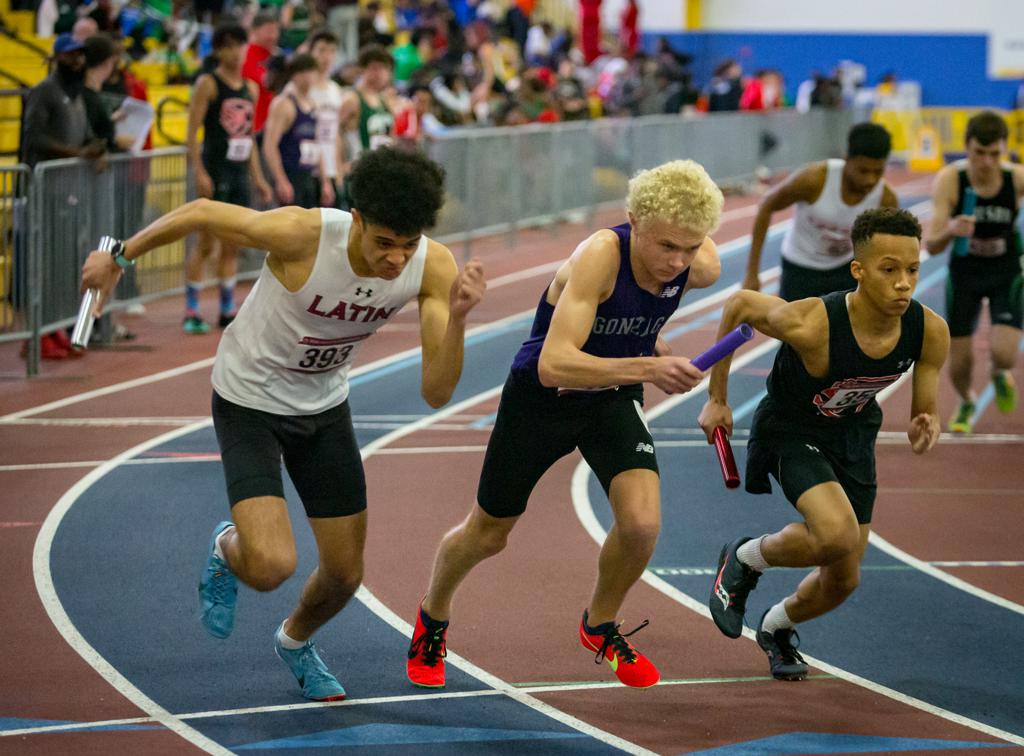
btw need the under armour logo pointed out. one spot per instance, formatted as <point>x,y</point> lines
<point>363,292</point>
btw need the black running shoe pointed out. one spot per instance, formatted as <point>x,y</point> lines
<point>733,583</point>
<point>783,657</point>
<point>226,318</point>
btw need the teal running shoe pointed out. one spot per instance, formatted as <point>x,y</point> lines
<point>218,591</point>
<point>195,325</point>
<point>309,669</point>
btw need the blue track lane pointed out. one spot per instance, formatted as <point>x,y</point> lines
<point>901,628</point>
<point>132,596</point>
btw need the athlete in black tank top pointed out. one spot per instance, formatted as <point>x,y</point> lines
<point>815,430</point>
<point>985,266</point>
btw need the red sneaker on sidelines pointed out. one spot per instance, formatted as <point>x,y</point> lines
<point>60,338</point>
<point>425,663</point>
<point>629,665</point>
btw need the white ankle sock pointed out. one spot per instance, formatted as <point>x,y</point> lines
<point>216,544</point>
<point>290,643</point>
<point>750,554</point>
<point>777,619</point>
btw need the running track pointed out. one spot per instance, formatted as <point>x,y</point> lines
<point>110,497</point>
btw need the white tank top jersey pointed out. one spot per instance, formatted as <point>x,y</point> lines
<point>289,353</point>
<point>328,104</point>
<point>820,235</point>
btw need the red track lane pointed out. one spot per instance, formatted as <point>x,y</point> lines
<point>551,577</point>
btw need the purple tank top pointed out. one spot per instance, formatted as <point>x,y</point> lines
<point>625,325</point>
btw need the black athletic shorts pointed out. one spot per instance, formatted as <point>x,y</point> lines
<point>967,284</point>
<point>319,451</point>
<point>798,282</point>
<point>306,187</point>
<point>800,463</point>
<point>231,185</point>
<point>535,428</point>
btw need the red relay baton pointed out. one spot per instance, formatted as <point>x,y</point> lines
<point>725,346</point>
<point>726,461</point>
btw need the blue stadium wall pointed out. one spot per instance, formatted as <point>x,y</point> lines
<point>951,68</point>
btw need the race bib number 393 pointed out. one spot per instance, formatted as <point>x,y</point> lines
<point>313,355</point>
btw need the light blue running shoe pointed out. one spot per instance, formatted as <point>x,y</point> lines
<point>218,591</point>
<point>309,669</point>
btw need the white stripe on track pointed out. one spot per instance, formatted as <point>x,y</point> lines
<point>724,250</point>
<point>585,514</point>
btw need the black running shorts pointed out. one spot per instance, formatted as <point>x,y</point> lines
<point>800,463</point>
<point>967,286</point>
<point>319,451</point>
<point>798,282</point>
<point>231,185</point>
<point>535,428</point>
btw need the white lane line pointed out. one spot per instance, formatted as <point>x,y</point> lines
<point>62,622</point>
<point>99,422</point>
<point>585,513</point>
<point>894,551</point>
<point>530,688</point>
<point>405,629</point>
<point>724,250</point>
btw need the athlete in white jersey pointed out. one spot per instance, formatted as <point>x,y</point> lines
<point>281,377</point>
<point>327,95</point>
<point>829,195</point>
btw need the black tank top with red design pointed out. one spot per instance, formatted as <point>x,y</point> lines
<point>841,406</point>
<point>227,128</point>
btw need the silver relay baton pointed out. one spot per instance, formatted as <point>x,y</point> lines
<point>84,322</point>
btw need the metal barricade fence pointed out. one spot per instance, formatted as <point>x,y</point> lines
<point>500,179</point>
<point>14,182</point>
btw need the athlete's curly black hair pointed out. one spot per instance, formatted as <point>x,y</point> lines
<point>399,189</point>
<point>883,220</point>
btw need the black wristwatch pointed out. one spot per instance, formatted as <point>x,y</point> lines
<point>117,252</point>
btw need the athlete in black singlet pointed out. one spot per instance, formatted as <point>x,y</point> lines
<point>989,270</point>
<point>815,430</point>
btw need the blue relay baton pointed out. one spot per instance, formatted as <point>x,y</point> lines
<point>962,243</point>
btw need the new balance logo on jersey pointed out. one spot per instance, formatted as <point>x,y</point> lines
<point>904,364</point>
<point>669,291</point>
<point>814,449</point>
<point>642,447</point>
<point>363,292</point>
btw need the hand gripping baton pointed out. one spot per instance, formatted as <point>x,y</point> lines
<point>83,323</point>
<point>962,243</point>
<point>727,345</point>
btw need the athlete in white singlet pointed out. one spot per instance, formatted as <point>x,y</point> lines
<point>280,377</point>
<point>816,251</point>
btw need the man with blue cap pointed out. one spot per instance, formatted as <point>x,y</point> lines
<point>55,125</point>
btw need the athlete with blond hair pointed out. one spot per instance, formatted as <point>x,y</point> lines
<point>577,382</point>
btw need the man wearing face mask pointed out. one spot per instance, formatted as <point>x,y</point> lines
<point>280,379</point>
<point>55,124</point>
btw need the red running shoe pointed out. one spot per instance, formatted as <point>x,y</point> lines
<point>425,663</point>
<point>629,665</point>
